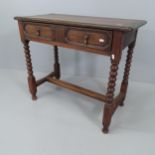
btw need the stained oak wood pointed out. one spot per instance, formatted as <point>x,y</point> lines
<point>78,89</point>
<point>86,21</point>
<point>83,38</point>
<point>39,31</point>
<point>104,36</point>
<point>89,38</point>
<point>98,41</point>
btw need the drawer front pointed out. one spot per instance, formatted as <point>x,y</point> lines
<point>39,31</point>
<point>93,40</point>
<point>89,38</point>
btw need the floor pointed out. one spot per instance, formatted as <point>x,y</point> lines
<point>61,122</point>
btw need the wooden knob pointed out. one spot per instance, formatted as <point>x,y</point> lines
<point>86,39</point>
<point>38,32</point>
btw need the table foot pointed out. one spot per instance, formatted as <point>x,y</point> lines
<point>34,98</point>
<point>105,130</point>
<point>121,104</point>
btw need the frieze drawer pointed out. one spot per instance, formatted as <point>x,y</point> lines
<point>89,38</point>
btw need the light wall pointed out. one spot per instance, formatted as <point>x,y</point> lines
<point>78,63</point>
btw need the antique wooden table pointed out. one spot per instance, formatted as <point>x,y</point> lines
<point>104,36</point>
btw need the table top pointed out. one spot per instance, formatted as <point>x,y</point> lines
<point>86,21</point>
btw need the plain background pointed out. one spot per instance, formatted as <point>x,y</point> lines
<point>78,63</point>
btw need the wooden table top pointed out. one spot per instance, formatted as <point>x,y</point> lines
<point>86,21</point>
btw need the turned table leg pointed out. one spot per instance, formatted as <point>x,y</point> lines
<point>31,78</point>
<point>124,84</point>
<point>109,96</point>
<point>56,63</point>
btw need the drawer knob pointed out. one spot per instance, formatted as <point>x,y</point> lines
<point>86,39</point>
<point>101,40</point>
<point>38,32</point>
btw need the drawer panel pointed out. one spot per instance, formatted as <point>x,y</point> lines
<point>39,31</point>
<point>89,38</point>
<point>85,39</point>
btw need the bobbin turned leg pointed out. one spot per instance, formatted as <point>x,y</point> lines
<point>56,63</point>
<point>124,84</point>
<point>31,78</point>
<point>109,96</point>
